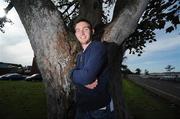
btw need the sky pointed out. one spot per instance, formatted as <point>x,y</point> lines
<point>157,55</point>
<point>15,48</point>
<point>14,43</point>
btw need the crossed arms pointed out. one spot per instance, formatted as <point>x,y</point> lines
<point>88,74</point>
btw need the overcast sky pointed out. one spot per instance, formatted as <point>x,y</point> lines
<point>15,48</point>
<point>14,43</point>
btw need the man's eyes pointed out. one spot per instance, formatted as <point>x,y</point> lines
<point>77,30</point>
<point>84,29</point>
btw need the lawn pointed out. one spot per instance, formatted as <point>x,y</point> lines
<point>27,100</point>
<point>22,100</point>
<point>145,105</point>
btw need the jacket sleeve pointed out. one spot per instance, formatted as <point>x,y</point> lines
<point>92,68</point>
<point>75,68</point>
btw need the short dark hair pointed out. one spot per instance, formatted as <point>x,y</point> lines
<point>81,20</point>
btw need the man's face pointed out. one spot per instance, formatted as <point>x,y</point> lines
<point>83,32</point>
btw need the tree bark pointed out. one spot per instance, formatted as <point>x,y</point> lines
<point>91,10</point>
<point>115,58</point>
<point>49,40</point>
<point>125,21</point>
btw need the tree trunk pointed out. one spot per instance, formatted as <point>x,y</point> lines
<point>91,10</point>
<point>115,58</point>
<point>49,40</point>
<point>125,21</point>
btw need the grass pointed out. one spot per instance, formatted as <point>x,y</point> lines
<point>144,105</point>
<point>22,100</point>
<point>27,100</point>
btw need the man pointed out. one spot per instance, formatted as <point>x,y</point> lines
<point>91,75</point>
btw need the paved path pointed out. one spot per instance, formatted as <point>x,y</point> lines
<point>167,89</point>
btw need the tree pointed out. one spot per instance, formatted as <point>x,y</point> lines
<point>138,71</point>
<point>169,68</point>
<point>49,31</point>
<point>125,70</point>
<point>146,72</point>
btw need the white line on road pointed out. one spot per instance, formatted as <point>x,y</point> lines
<point>168,94</point>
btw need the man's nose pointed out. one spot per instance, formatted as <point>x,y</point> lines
<point>82,32</point>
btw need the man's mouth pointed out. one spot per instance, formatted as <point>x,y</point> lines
<point>83,37</point>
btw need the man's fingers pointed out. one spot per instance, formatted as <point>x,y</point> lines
<point>92,85</point>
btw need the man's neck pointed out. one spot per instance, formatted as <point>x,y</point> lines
<point>84,46</point>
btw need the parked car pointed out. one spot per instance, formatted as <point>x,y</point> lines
<point>3,77</point>
<point>34,77</point>
<point>12,76</point>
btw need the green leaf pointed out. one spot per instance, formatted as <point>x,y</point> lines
<point>169,29</point>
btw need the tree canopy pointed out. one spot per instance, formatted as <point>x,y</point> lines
<point>169,68</point>
<point>138,71</point>
<point>159,14</point>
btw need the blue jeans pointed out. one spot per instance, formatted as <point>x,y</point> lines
<point>96,114</point>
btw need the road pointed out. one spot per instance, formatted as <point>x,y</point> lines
<point>166,89</point>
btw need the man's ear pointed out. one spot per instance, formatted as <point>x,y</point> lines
<point>93,31</point>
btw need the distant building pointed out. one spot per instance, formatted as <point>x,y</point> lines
<point>175,74</point>
<point>10,68</point>
<point>163,76</point>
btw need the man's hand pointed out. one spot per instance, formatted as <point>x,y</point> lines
<point>92,85</point>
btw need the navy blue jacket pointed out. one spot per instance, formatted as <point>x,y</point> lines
<point>91,65</point>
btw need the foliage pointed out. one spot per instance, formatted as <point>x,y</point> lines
<point>157,14</point>
<point>70,9</point>
<point>138,71</point>
<point>169,68</point>
<point>146,72</point>
<point>3,20</point>
<point>125,69</point>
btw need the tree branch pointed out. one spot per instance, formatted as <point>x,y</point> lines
<point>125,22</point>
<point>9,7</point>
<point>69,14</point>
